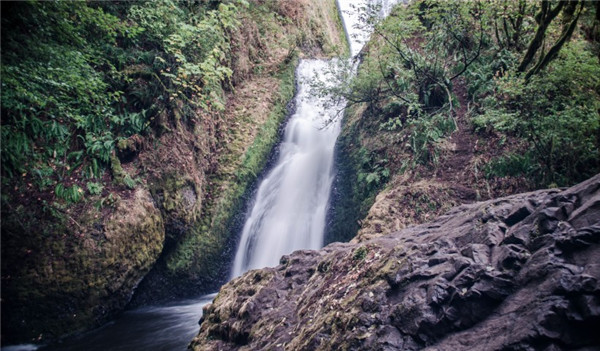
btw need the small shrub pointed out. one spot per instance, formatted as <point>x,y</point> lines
<point>426,134</point>
<point>360,254</point>
<point>512,165</point>
<point>95,188</point>
<point>70,194</point>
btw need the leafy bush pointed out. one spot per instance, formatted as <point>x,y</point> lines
<point>557,112</point>
<point>78,77</point>
<point>512,165</point>
<point>426,133</point>
<point>373,173</point>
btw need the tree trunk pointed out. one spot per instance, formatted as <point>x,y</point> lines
<point>518,24</point>
<point>569,27</point>
<point>545,16</point>
<point>497,33</point>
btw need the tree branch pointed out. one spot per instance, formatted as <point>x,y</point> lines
<point>467,64</point>
<point>544,18</point>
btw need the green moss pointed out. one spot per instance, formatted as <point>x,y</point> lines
<point>74,276</point>
<point>179,197</point>
<point>355,195</point>
<point>344,51</point>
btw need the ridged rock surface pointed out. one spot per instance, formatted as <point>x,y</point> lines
<point>517,273</point>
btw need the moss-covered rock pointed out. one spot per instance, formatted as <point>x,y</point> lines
<point>72,273</point>
<point>180,199</point>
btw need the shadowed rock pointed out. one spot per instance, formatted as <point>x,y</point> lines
<point>517,273</point>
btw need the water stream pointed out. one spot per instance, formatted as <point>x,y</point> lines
<point>287,213</point>
<point>170,327</point>
<point>290,205</point>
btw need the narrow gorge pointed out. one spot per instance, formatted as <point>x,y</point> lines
<point>300,175</point>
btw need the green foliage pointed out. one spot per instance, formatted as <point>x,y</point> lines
<point>95,188</point>
<point>42,176</point>
<point>372,173</point>
<point>556,112</point>
<point>70,194</point>
<point>50,86</point>
<point>193,65</point>
<point>76,79</point>
<point>100,147</point>
<point>407,76</point>
<point>418,52</point>
<point>426,133</point>
<point>360,254</point>
<point>129,182</point>
<point>512,165</point>
<point>482,72</point>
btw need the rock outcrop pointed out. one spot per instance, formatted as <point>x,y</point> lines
<point>516,273</point>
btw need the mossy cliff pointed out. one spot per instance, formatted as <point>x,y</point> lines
<point>77,244</point>
<point>280,33</point>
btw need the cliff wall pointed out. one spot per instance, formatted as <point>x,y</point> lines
<point>160,213</point>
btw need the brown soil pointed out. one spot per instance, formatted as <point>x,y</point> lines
<point>454,167</point>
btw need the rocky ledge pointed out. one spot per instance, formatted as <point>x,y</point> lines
<point>516,273</point>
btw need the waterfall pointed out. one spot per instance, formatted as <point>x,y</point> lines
<point>352,11</point>
<point>290,205</point>
<point>289,208</point>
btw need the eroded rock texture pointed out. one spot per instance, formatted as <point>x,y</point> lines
<point>517,273</point>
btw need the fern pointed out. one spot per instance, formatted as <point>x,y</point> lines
<point>70,194</point>
<point>95,188</point>
<point>129,182</point>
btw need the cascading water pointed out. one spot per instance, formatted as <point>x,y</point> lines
<point>290,205</point>
<point>291,202</point>
<point>288,211</point>
<point>353,13</point>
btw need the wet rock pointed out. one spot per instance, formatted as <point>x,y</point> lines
<point>519,273</point>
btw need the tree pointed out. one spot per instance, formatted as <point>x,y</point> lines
<point>571,10</point>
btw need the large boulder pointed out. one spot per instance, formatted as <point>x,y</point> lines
<point>64,276</point>
<point>516,273</point>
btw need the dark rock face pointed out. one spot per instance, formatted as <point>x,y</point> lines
<point>517,273</point>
